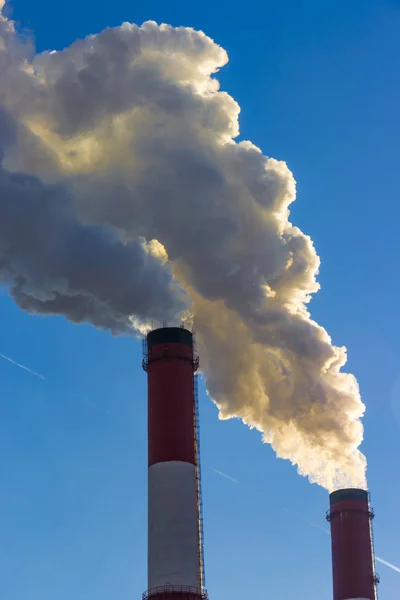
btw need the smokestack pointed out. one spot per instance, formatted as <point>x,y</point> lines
<point>352,547</point>
<point>175,558</point>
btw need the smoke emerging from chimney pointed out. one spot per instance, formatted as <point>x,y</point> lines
<point>125,137</point>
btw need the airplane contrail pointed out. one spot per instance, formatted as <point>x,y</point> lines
<point>377,558</point>
<point>388,564</point>
<point>17,364</point>
<point>43,378</point>
<point>97,407</point>
<point>221,474</point>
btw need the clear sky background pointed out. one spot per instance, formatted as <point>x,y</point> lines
<point>319,86</point>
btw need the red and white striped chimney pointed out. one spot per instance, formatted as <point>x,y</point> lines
<point>352,548</point>
<point>175,559</point>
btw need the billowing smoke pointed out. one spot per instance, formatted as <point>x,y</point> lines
<point>125,137</point>
<point>56,265</point>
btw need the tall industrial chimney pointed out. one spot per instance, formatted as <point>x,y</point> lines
<point>352,548</point>
<point>175,557</point>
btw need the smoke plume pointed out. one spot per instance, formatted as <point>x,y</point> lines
<point>125,137</point>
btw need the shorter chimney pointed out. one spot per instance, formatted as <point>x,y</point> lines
<point>352,549</point>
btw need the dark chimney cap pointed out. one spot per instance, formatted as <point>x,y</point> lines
<point>170,335</point>
<point>348,494</point>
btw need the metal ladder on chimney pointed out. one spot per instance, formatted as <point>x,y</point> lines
<point>371,516</point>
<point>196,417</point>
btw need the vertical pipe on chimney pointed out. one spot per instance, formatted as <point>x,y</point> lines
<point>352,549</point>
<point>174,553</point>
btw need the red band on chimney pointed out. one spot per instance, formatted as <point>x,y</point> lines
<point>170,403</point>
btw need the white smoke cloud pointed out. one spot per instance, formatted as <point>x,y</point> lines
<point>133,122</point>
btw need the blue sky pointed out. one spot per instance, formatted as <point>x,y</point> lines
<point>318,87</point>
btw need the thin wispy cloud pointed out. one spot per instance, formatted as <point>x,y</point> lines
<point>27,369</point>
<point>306,521</point>
<point>221,474</point>
<point>43,378</point>
<point>96,407</point>
<point>388,564</point>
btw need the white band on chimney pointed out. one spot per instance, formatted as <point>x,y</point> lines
<point>173,546</point>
